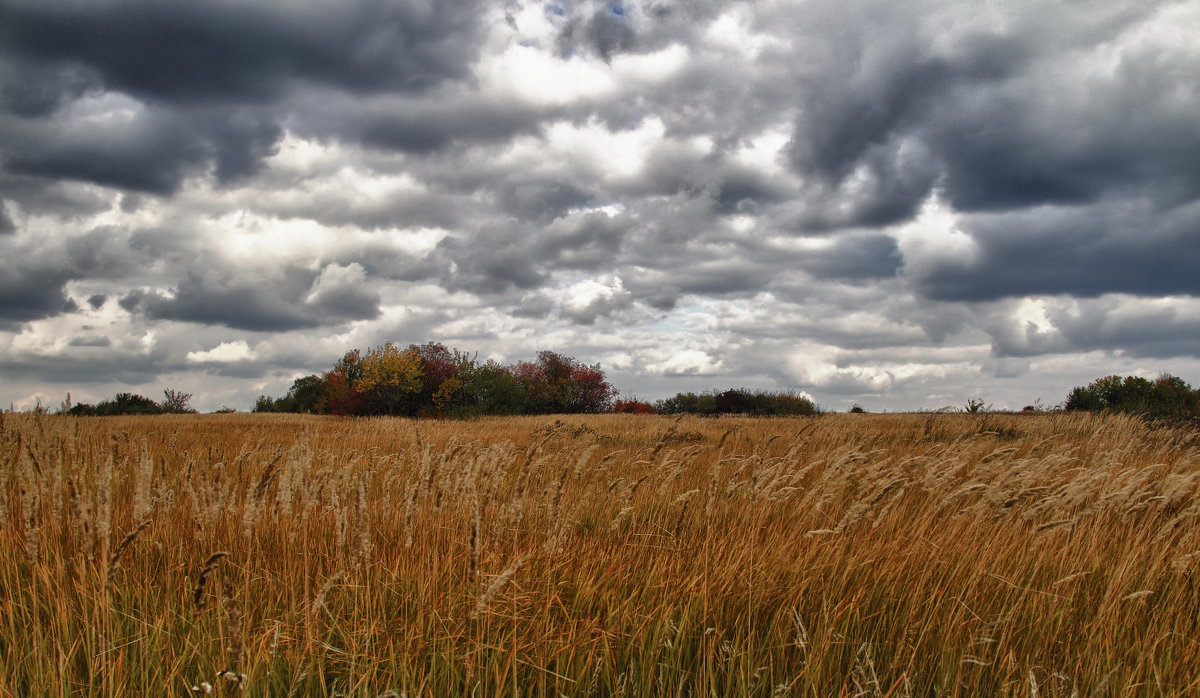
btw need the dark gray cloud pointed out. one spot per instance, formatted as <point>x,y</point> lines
<point>606,31</point>
<point>6,222</point>
<point>32,293</point>
<point>298,298</point>
<point>423,124</point>
<point>232,51</point>
<point>1122,247</point>
<point>1140,329</point>
<point>97,364</point>
<point>205,78</point>
<point>63,200</point>
<point>30,88</point>
<point>496,262</point>
<point>34,277</point>
<point>152,150</point>
<point>856,258</point>
<point>91,341</point>
<point>589,242</point>
<point>1000,117</point>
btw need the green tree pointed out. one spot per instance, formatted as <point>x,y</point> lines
<point>489,388</point>
<point>304,396</point>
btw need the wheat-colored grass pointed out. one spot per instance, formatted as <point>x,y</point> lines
<point>847,555</point>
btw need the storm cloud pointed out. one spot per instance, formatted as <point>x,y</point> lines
<point>892,204</point>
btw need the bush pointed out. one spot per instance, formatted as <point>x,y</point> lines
<point>758,403</point>
<point>688,403</point>
<point>122,404</point>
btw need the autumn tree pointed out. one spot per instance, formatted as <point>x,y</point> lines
<point>442,379</point>
<point>391,380</point>
<point>340,393</point>
<point>559,384</point>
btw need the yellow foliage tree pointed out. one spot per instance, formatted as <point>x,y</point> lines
<point>445,393</point>
<point>391,377</point>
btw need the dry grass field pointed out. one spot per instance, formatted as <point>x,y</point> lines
<point>846,555</point>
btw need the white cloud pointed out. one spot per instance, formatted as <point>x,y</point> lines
<point>684,362</point>
<point>225,352</point>
<point>534,75</point>
<point>585,301</point>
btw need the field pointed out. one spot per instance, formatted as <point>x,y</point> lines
<point>845,555</point>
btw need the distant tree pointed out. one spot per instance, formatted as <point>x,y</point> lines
<point>339,393</point>
<point>589,392</point>
<point>1173,397</point>
<point>391,380</point>
<point>132,403</point>
<point>489,388</point>
<point>688,403</point>
<point>734,402</point>
<point>559,384</point>
<point>442,371</point>
<point>305,393</point>
<point>177,402</point>
<point>304,396</point>
<point>264,403</point>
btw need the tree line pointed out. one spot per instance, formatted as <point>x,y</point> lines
<point>432,380</point>
<point>173,402</point>
<point>1167,397</point>
<point>756,403</point>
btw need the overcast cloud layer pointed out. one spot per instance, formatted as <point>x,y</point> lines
<point>900,204</point>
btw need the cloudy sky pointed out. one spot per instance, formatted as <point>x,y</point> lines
<point>900,204</point>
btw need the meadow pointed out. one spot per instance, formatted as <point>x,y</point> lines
<point>599,555</point>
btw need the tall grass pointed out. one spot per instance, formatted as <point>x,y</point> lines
<point>880,555</point>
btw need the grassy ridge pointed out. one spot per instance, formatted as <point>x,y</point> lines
<point>880,555</point>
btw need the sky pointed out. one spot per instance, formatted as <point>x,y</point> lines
<point>895,204</point>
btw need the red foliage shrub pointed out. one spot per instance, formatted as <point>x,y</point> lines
<point>633,407</point>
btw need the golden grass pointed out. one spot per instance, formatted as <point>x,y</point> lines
<point>847,555</point>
